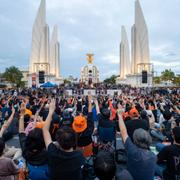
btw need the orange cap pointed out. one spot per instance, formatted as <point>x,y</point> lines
<point>79,124</point>
<point>134,112</point>
<point>27,111</point>
<point>40,125</point>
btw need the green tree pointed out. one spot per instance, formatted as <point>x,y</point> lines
<point>157,80</point>
<point>176,80</point>
<point>111,80</point>
<point>13,75</point>
<point>66,81</point>
<point>167,75</point>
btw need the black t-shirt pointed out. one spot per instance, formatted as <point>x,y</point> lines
<point>64,165</point>
<point>105,123</point>
<point>167,129</point>
<point>106,129</point>
<point>134,124</point>
<point>33,158</point>
<point>34,108</point>
<point>170,155</point>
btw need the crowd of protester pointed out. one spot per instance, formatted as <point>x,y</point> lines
<point>131,136</point>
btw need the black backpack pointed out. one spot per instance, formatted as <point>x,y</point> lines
<point>88,169</point>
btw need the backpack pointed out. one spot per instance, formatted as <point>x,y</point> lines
<point>120,152</point>
<point>166,126</point>
<point>38,172</point>
<point>88,169</point>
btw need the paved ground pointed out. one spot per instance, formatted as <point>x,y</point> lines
<point>14,141</point>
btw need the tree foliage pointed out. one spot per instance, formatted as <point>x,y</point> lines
<point>66,81</point>
<point>111,80</point>
<point>13,75</point>
<point>177,80</point>
<point>157,80</point>
<point>167,75</point>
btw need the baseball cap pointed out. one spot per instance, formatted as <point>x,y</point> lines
<point>66,114</point>
<point>134,112</point>
<point>79,124</point>
<point>29,112</point>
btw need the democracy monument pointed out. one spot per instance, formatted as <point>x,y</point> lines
<point>45,55</point>
<point>44,62</point>
<point>137,70</point>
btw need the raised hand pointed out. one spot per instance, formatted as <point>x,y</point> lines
<point>23,108</point>
<point>120,109</point>
<point>97,105</point>
<point>12,109</point>
<point>96,101</point>
<point>89,97</point>
<point>52,106</point>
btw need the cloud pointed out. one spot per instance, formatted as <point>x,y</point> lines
<point>73,44</point>
<point>111,59</point>
<point>168,64</point>
<point>108,73</point>
<point>160,66</point>
<point>7,60</point>
<point>4,19</point>
<point>90,26</point>
<point>10,61</point>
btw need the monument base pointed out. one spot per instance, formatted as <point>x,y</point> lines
<point>59,80</point>
<point>135,80</point>
<point>33,80</point>
<point>119,80</point>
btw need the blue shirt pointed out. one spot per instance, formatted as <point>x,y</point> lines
<point>95,117</point>
<point>4,110</point>
<point>140,162</point>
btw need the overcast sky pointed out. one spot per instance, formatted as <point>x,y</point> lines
<point>90,26</point>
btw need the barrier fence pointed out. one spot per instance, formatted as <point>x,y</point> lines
<point>93,92</point>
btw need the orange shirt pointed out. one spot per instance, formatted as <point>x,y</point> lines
<point>113,111</point>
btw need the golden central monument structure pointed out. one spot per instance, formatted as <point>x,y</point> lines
<point>90,58</point>
<point>90,73</point>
